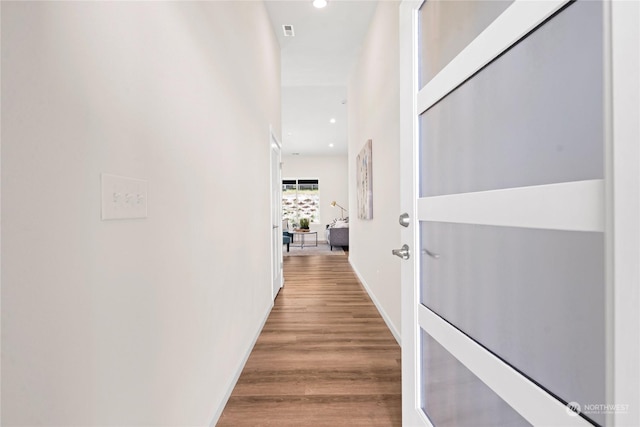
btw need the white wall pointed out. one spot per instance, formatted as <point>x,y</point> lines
<point>133,322</point>
<point>332,173</point>
<point>373,101</point>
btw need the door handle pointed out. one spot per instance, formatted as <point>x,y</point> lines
<point>274,227</point>
<point>431,254</point>
<point>403,252</point>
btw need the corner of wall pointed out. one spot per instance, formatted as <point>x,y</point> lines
<point>238,371</point>
<point>392,327</point>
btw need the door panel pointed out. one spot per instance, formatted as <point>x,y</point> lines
<point>453,396</point>
<point>533,116</point>
<point>533,297</point>
<point>507,312</point>
<point>541,67</point>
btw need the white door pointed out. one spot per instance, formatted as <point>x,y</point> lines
<point>508,290</point>
<point>276,217</point>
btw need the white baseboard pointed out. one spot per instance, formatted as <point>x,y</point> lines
<point>235,378</point>
<point>383,313</point>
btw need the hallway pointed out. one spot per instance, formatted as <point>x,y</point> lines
<point>324,358</point>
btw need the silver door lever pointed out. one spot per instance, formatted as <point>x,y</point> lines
<point>431,254</point>
<point>403,252</point>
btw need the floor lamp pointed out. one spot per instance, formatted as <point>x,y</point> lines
<point>334,204</point>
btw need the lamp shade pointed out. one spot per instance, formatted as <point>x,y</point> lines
<point>334,204</point>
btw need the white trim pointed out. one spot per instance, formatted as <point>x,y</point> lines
<point>272,134</point>
<point>513,24</point>
<point>533,403</point>
<point>383,313</point>
<point>411,413</point>
<point>576,206</point>
<point>239,369</point>
<point>624,54</point>
<point>274,144</point>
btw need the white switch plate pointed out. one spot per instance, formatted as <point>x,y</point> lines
<point>123,198</point>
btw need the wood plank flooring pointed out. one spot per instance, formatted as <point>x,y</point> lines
<point>324,358</point>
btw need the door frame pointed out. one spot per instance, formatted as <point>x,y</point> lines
<point>411,413</point>
<point>621,216</point>
<point>275,185</point>
<point>622,41</point>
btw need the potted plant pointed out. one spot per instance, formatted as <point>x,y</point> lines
<point>304,223</point>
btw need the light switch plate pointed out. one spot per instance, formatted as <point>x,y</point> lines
<point>123,197</point>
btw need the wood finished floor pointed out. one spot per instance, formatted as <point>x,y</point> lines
<point>324,358</point>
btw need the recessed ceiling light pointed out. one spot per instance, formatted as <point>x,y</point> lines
<point>331,145</point>
<point>289,133</point>
<point>332,120</point>
<point>319,3</point>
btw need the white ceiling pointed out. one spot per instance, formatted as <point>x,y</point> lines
<point>316,65</point>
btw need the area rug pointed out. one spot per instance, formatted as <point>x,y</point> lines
<point>322,249</point>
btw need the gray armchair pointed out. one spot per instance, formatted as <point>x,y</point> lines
<point>337,236</point>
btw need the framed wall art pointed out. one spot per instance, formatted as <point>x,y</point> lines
<point>364,179</point>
